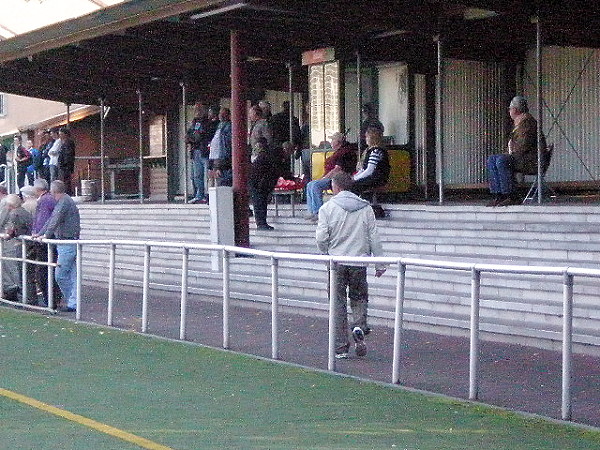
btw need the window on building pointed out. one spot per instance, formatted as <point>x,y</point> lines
<point>2,105</point>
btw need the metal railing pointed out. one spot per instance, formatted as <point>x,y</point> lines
<point>401,264</point>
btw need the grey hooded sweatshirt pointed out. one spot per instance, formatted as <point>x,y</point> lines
<point>347,227</point>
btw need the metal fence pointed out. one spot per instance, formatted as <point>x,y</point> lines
<point>401,265</point>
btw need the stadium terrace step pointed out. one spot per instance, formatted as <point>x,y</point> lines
<point>516,308</point>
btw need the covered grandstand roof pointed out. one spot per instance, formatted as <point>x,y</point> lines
<point>153,45</point>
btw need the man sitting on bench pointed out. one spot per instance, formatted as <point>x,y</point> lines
<point>520,157</point>
<point>343,160</point>
<point>374,169</point>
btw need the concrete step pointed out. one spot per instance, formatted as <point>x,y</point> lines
<point>513,307</point>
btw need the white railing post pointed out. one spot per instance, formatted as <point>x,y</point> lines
<point>184,291</point>
<point>226,293</point>
<point>1,267</point>
<point>111,284</point>
<point>145,288</point>
<point>474,347</point>
<point>274,307</point>
<point>398,322</point>
<point>50,280</point>
<point>23,270</point>
<point>332,269</point>
<point>567,347</point>
<point>79,267</point>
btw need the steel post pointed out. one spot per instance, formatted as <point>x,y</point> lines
<point>240,159</point>
<point>274,307</point>
<point>474,336</point>
<point>102,149</point>
<point>145,288</point>
<point>50,281</point>
<point>539,93</point>
<point>186,165</point>
<point>184,291</point>
<point>332,270</point>
<point>141,145</point>
<point>440,115</point>
<point>111,284</point>
<point>23,271</point>
<point>567,345</point>
<point>398,322</point>
<point>79,268</point>
<point>226,298</point>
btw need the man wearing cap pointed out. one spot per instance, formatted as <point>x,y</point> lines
<point>343,160</point>
<point>521,155</point>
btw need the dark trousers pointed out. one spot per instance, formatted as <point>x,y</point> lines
<point>21,177</point>
<point>366,184</point>
<point>260,199</point>
<point>351,284</point>
<point>40,253</point>
<point>65,177</point>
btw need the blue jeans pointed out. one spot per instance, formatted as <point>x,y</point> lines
<point>500,174</point>
<point>66,272</point>
<point>199,171</point>
<point>314,194</point>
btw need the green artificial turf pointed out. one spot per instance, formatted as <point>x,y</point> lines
<point>189,397</point>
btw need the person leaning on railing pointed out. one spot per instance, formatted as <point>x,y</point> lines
<point>64,224</point>
<point>45,205</point>
<point>18,223</point>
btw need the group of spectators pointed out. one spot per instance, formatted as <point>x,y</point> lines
<point>54,160</point>
<point>41,212</point>
<point>271,147</point>
<point>209,143</point>
<point>371,172</point>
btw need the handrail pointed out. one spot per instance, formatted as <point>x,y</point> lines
<point>401,264</point>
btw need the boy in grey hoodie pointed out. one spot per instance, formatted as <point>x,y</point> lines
<point>347,227</point>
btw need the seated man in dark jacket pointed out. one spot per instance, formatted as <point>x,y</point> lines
<point>375,166</point>
<point>344,159</point>
<point>521,155</point>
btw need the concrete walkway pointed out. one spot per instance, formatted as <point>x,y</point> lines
<point>513,376</point>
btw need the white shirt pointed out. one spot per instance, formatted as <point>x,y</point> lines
<point>215,145</point>
<point>54,152</point>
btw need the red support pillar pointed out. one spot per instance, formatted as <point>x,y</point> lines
<point>240,159</point>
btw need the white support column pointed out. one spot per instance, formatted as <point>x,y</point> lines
<point>474,339</point>
<point>567,345</point>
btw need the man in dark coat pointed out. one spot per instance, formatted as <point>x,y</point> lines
<point>521,155</point>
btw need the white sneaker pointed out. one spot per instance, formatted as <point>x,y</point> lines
<point>359,341</point>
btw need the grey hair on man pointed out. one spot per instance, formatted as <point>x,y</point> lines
<point>58,187</point>
<point>40,184</point>
<point>13,201</point>
<point>519,103</point>
<point>28,191</point>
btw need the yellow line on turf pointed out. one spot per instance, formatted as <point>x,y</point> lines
<point>103,428</point>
